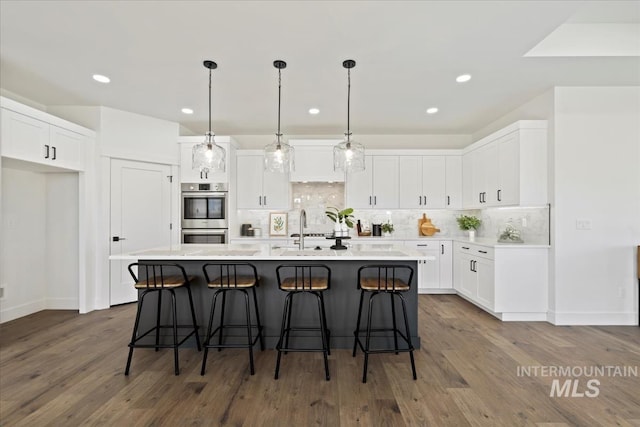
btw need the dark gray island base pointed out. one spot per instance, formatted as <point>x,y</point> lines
<point>341,302</point>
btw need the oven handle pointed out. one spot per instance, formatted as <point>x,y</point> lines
<point>204,194</point>
<point>204,231</point>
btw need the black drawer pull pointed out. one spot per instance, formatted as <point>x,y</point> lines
<point>483,252</point>
<point>464,247</point>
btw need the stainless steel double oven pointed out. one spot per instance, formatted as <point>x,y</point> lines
<point>205,213</point>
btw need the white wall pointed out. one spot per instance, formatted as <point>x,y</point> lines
<point>596,176</point>
<point>24,243</point>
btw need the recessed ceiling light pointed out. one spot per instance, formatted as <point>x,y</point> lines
<point>463,78</point>
<point>314,111</point>
<point>100,78</point>
<point>432,110</point>
<point>187,111</point>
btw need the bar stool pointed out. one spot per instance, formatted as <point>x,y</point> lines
<point>377,280</point>
<point>297,280</point>
<point>161,278</point>
<point>229,277</point>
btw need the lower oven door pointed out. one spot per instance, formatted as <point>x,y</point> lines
<point>211,235</point>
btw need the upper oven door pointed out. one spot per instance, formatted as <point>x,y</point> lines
<point>204,210</point>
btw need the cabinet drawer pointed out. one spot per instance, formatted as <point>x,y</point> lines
<point>422,246</point>
<point>474,250</point>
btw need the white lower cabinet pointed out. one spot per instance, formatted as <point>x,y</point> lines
<point>509,282</point>
<point>434,275</point>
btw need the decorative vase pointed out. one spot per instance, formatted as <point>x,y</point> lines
<point>472,235</point>
<point>386,234</point>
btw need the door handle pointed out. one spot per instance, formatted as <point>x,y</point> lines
<point>369,200</point>
<point>118,238</point>
<point>375,200</point>
<point>54,153</point>
<point>420,200</point>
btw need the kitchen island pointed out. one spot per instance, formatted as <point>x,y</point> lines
<point>341,299</point>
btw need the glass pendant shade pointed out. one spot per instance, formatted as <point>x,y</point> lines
<point>209,156</point>
<point>278,157</point>
<point>348,156</point>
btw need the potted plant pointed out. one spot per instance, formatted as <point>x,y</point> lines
<point>387,228</point>
<point>342,219</point>
<point>469,223</point>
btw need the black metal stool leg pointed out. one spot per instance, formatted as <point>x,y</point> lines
<point>395,326</point>
<point>260,335</point>
<point>282,332</point>
<point>135,332</point>
<point>249,340</point>
<point>356,332</point>
<point>207,341</point>
<point>288,328</point>
<point>158,319</point>
<point>368,338</point>
<point>406,326</point>
<point>193,319</point>
<point>224,300</point>
<point>175,331</point>
<point>323,334</point>
<point>324,324</point>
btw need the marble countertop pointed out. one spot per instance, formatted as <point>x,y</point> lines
<point>267,252</point>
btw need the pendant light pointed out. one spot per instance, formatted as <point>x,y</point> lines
<point>348,156</point>
<point>278,156</point>
<point>208,156</point>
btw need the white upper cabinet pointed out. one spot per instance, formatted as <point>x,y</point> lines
<point>375,187</point>
<point>257,188</point>
<point>313,161</point>
<point>422,182</point>
<point>507,168</point>
<point>188,174</point>
<point>37,141</point>
<point>453,181</point>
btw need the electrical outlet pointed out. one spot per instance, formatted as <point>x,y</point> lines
<point>583,224</point>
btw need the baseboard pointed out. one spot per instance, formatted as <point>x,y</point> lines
<point>62,303</point>
<point>11,313</point>
<point>599,319</point>
<point>437,291</point>
<point>522,317</point>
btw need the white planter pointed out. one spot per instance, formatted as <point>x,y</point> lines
<point>472,235</point>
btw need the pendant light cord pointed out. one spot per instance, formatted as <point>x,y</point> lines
<point>279,95</point>
<point>348,102</point>
<point>209,101</point>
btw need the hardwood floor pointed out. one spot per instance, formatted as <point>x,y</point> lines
<point>60,368</point>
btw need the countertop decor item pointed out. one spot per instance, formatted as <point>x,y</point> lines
<point>278,156</point>
<point>209,156</point>
<point>387,228</point>
<point>278,224</point>
<point>469,223</point>
<point>426,227</point>
<point>510,235</point>
<point>348,156</point>
<point>342,219</point>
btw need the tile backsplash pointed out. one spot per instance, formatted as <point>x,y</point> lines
<point>315,197</point>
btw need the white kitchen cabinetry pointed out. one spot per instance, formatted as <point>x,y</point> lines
<point>375,187</point>
<point>435,275</point>
<point>453,182</point>
<point>257,188</point>
<point>422,182</point>
<point>33,140</point>
<point>313,161</point>
<point>188,174</point>
<point>509,282</point>
<point>507,168</point>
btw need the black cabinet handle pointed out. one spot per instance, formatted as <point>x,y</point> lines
<point>482,252</point>
<point>375,200</point>
<point>46,155</point>
<point>118,238</point>
<point>464,247</point>
<point>369,200</point>
<point>448,201</point>
<point>480,197</point>
<point>442,249</point>
<point>475,266</point>
<point>265,200</point>
<point>420,200</point>
<point>260,200</point>
<point>499,195</point>
<point>471,265</point>
<point>54,153</point>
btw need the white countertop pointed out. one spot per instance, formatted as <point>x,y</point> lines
<point>247,252</point>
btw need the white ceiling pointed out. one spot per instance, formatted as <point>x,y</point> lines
<point>408,54</point>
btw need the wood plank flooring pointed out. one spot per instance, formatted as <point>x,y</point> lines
<point>63,369</point>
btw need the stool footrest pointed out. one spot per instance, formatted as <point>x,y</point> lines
<point>259,329</point>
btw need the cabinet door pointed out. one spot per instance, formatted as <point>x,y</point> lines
<point>469,196</point>
<point>453,182</point>
<point>486,286</point>
<point>66,148</point>
<point>466,279</point>
<point>410,182</point>
<point>359,186</point>
<point>275,190</point>
<point>508,191</point>
<point>489,167</point>
<point>433,182</point>
<point>249,170</point>
<point>446,264</point>
<point>385,182</point>
<point>314,163</point>
<point>24,138</point>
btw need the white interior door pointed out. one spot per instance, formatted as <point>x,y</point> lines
<point>140,217</point>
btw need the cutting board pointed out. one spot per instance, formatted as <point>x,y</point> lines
<point>420,222</point>
<point>426,227</point>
